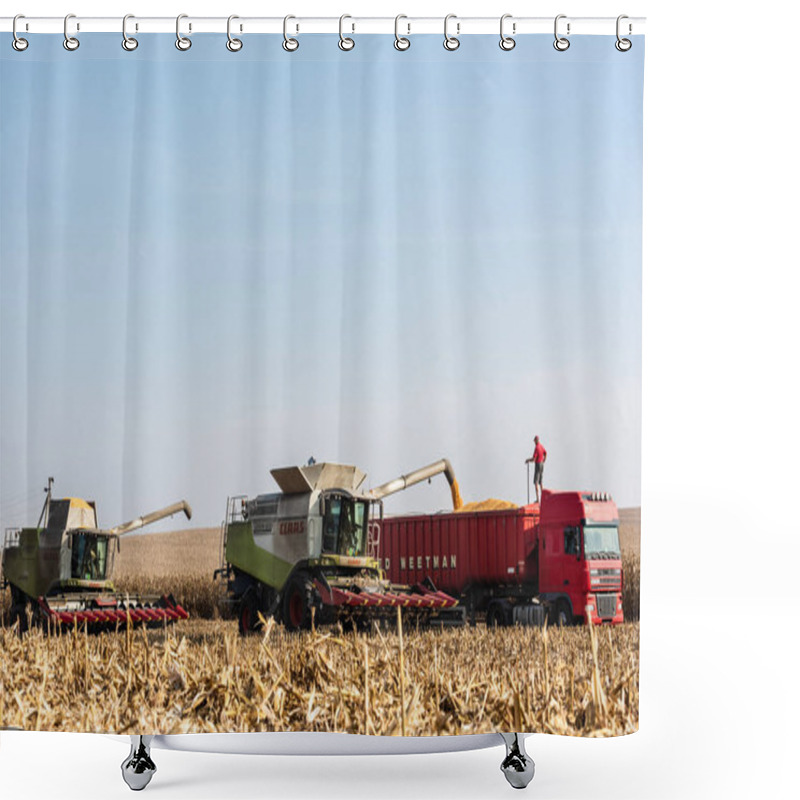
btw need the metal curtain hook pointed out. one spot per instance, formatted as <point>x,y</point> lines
<point>623,45</point>
<point>506,42</point>
<point>128,42</point>
<point>289,44</point>
<point>233,44</point>
<point>561,43</point>
<point>18,43</point>
<point>345,42</point>
<point>70,42</point>
<point>181,42</point>
<point>400,42</point>
<point>451,42</point>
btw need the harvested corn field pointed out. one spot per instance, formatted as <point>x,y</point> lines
<point>201,676</point>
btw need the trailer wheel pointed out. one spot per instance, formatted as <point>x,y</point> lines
<point>297,603</point>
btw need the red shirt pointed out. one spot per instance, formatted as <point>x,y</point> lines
<point>539,453</point>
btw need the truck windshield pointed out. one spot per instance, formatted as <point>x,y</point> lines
<point>89,556</point>
<point>601,541</point>
<point>345,526</point>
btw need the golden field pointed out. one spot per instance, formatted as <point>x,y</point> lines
<point>200,675</point>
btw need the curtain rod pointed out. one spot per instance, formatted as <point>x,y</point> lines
<point>407,25</point>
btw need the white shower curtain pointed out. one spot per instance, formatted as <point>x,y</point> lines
<point>217,263</point>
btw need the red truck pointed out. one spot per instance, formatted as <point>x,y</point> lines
<point>558,560</point>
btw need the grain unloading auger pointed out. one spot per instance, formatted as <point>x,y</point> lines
<point>60,572</point>
<point>310,551</point>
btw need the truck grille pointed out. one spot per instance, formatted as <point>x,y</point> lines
<point>606,605</point>
<point>605,579</point>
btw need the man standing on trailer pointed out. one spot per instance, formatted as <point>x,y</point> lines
<point>539,457</point>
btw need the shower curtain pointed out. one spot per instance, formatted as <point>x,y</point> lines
<point>341,265</point>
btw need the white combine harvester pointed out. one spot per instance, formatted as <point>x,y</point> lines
<point>308,554</point>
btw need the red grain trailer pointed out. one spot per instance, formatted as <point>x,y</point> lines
<point>558,559</point>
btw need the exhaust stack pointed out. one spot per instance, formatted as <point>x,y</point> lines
<point>153,516</point>
<point>419,475</point>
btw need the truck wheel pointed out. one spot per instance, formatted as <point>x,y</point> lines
<point>563,614</point>
<point>495,618</point>
<point>248,614</point>
<point>297,603</point>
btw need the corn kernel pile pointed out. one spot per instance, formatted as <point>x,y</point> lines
<point>492,504</point>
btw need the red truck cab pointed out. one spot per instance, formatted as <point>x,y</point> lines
<point>579,560</point>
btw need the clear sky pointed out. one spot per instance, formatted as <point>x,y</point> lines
<point>214,264</point>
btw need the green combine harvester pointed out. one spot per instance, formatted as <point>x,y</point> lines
<point>60,571</point>
<point>309,553</point>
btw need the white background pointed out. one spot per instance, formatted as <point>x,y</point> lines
<point>719,706</point>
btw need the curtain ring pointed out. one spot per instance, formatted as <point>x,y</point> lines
<point>561,43</point>
<point>289,44</point>
<point>345,42</point>
<point>128,42</point>
<point>181,42</point>
<point>451,42</point>
<point>18,43</point>
<point>506,42</point>
<point>70,42</point>
<point>400,42</point>
<point>233,44</point>
<point>623,45</point>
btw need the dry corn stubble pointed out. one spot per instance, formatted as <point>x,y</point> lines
<point>201,676</point>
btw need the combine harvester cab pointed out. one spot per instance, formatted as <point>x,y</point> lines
<point>308,554</point>
<point>60,572</point>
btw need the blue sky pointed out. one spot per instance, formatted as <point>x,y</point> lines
<point>215,263</point>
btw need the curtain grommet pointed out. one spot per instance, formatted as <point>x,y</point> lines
<point>128,42</point>
<point>18,43</point>
<point>233,44</point>
<point>70,43</point>
<point>183,43</point>
<point>345,42</point>
<point>451,43</point>
<point>401,43</point>
<point>561,43</point>
<point>289,44</point>
<point>507,43</point>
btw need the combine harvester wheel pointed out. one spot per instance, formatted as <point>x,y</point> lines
<point>298,603</point>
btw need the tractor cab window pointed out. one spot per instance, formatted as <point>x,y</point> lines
<point>345,526</point>
<point>89,556</point>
